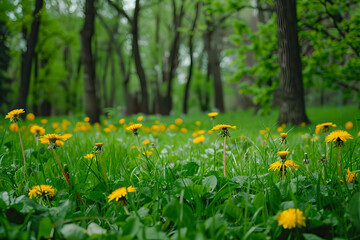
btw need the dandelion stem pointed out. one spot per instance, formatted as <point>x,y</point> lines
<point>67,177</point>
<point>326,149</point>
<point>339,163</point>
<point>22,147</point>
<point>283,172</point>
<point>225,156</point>
<point>138,144</point>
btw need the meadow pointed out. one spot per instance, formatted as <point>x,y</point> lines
<point>165,179</point>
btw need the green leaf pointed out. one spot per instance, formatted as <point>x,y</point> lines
<point>259,200</point>
<point>73,231</point>
<point>310,236</point>
<point>59,213</point>
<point>353,210</point>
<point>211,182</point>
<point>45,227</point>
<point>191,168</point>
<point>93,228</point>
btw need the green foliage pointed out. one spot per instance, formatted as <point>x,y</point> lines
<point>329,48</point>
<point>263,45</point>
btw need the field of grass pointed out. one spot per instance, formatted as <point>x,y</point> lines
<point>180,188</point>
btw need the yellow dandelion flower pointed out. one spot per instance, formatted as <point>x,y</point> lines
<point>283,154</point>
<point>121,121</point>
<point>86,119</point>
<point>324,127</point>
<point>283,125</point>
<point>262,132</point>
<point>194,134</point>
<point>120,193</point>
<point>291,218</point>
<point>350,176</point>
<point>303,124</point>
<point>147,153</point>
<point>199,139</point>
<point>53,140</point>
<point>90,156</point>
<point>134,127</point>
<point>30,116</point>
<point>349,125</point>
<point>14,127</point>
<point>276,165</point>
<point>223,127</point>
<point>42,190</point>
<point>338,137</point>
<point>35,129</point>
<point>280,129</point>
<point>140,118</point>
<point>145,142</point>
<point>14,114</point>
<point>43,121</point>
<point>179,121</point>
<point>283,135</point>
<point>184,130</point>
<point>200,132</point>
<point>107,130</point>
<point>213,114</point>
<point>198,123</point>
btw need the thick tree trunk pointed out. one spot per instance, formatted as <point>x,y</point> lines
<point>28,55</point>
<point>191,52</point>
<point>138,63</point>
<point>292,105</point>
<point>91,102</point>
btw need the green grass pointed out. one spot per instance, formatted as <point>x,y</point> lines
<point>181,192</point>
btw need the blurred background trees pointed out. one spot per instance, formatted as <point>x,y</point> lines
<point>166,56</point>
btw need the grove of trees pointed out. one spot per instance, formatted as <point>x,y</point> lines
<point>164,56</point>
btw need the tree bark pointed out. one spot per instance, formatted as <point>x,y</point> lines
<point>28,55</point>
<point>173,58</point>
<point>214,65</point>
<point>91,102</point>
<point>292,104</point>
<point>138,63</point>
<point>191,53</point>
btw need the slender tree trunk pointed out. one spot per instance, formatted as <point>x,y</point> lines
<point>105,69</point>
<point>28,55</point>
<point>191,51</point>
<point>113,84</point>
<point>91,102</point>
<point>138,63</point>
<point>292,105</point>
<point>214,65</point>
<point>35,102</point>
<point>67,81</point>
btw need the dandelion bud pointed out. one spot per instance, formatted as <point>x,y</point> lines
<point>98,147</point>
<point>306,159</point>
<point>323,159</point>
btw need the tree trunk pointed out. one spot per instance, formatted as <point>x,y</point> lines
<point>214,65</point>
<point>91,102</point>
<point>191,51</point>
<point>28,55</point>
<point>138,63</point>
<point>292,105</point>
